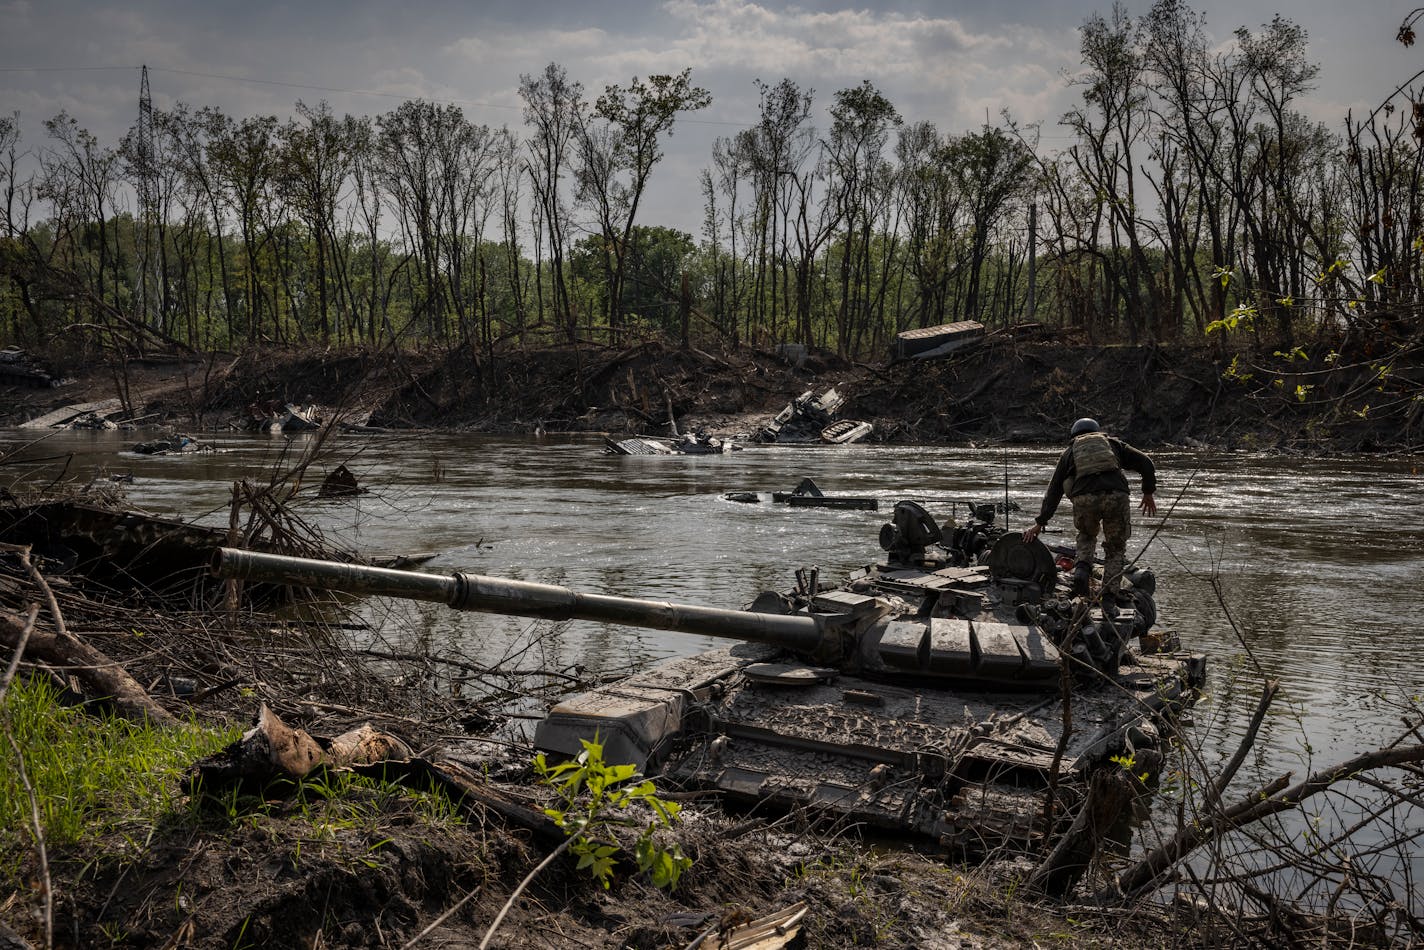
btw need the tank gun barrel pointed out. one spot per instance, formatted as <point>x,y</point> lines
<point>479,592</point>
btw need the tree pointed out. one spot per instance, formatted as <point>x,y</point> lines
<point>79,178</point>
<point>990,170</point>
<point>932,205</point>
<point>316,161</point>
<point>1111,124</point>
<point>862,120</point>
<point>638,117</point>
<point>242,157</point>
<point>554,109</point>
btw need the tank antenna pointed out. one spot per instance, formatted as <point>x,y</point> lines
<point>1006,488</point>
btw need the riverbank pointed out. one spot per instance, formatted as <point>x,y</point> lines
<point>1010,389</point>
<point>371,863</point>
<point>135,853</point>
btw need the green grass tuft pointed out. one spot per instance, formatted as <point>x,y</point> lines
<point>93,776</point>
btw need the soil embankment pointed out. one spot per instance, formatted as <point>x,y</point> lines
<point>1005,390</point>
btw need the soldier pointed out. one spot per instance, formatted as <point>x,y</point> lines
<point>1090,473</point>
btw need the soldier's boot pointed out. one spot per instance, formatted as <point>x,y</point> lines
<point>1112,578</point>
<point>1081,575</point>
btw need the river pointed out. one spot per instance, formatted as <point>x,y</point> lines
<point>1318,562</point>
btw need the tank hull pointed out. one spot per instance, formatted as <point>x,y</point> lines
<point>964,762</point>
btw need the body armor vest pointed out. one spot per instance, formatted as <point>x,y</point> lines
<point>1092,454</point>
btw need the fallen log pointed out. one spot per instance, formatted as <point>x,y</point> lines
<point>101,680</point>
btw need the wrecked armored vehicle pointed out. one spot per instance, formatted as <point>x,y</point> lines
<point>812,418</point>
<point>924,696</point>
<point>691,443</point>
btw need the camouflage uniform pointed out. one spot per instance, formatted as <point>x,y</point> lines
<point>1113,511</point>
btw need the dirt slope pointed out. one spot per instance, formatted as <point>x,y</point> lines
<point>1005,390</point>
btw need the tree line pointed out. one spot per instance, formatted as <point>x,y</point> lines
<point>1194,196</point>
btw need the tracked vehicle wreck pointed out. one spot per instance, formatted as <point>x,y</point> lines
<point>924,696</point>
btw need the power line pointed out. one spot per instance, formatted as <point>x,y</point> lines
<point>60,69</point>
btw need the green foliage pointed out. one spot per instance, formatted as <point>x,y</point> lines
<point>1335,270</point>
<point>1126,763</point>
<point>1243,315</point>
<point>92,776</point>
<point>596,798</point>
<point>1236,371</point>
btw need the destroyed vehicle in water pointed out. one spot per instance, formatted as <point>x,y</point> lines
<point>692,443</point>
<point>807,494</point>
<point>924,697</point>
<point>812,418</point>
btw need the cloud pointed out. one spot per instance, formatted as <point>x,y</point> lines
<point>950,68</point>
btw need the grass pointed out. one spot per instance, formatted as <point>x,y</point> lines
<point>106,787</point>
<point>93,776</point>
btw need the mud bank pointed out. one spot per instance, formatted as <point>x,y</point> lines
<point>1007,390</point>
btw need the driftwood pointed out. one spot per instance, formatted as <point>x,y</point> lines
<point>1110,792</point>
<point>100,678</point>
<point>1275,797</point>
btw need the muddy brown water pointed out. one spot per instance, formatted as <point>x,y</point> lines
<point>1319,562</point>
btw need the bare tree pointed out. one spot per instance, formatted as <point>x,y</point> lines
<point>554,109</point>
<point>991,170</point>
<point>639,116</point>
<point>316,161</point>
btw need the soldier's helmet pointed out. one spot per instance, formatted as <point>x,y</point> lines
<point>1085,425</point>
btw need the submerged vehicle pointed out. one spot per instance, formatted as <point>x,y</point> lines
<point>812,418</point>
<point>691,443</point>
<point>807,494</point>
<point>924,696</point>
<point>846,431</point>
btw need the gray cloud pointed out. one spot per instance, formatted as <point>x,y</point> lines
<point>948,62</point>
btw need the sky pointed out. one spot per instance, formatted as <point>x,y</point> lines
<point>955,63</point>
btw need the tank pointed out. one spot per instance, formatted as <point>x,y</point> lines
<point>924,695</point>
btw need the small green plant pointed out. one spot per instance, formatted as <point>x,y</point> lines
<point>1243,315</point>
<point>1236,371</point>
<point>595,798</point>
<point>1127,762</point>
